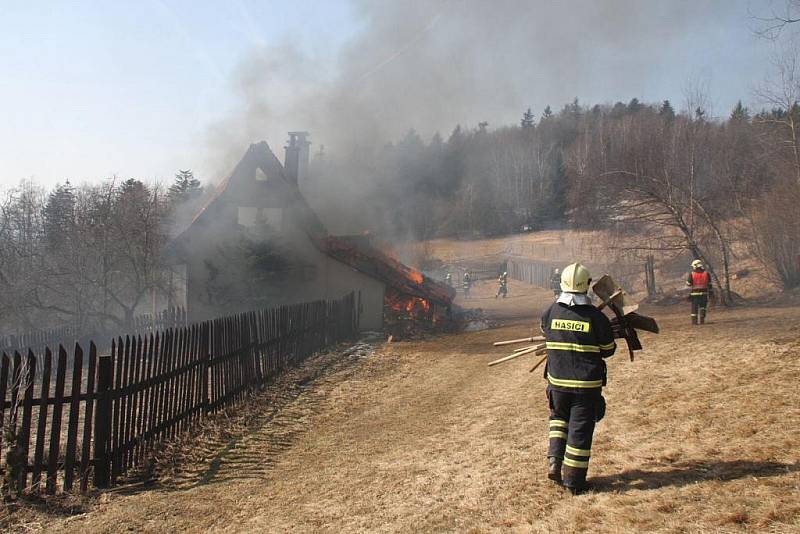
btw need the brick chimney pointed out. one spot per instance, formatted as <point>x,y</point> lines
<point>296,161</point>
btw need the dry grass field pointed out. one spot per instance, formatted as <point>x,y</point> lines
<point>701,435</point>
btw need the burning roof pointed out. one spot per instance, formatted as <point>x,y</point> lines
<point>380,265</point>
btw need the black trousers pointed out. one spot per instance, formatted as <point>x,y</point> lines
<point>572,420</point>
<point>699,308</point>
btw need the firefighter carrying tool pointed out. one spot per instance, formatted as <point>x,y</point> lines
<point>578,339</point>
<point>699,282</point>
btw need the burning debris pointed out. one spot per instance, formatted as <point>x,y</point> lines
<point>413,303</point>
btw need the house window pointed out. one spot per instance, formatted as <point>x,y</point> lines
<point>247,216</point>
<point>260,176</point>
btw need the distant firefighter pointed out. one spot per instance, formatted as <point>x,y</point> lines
<point>449,279</point>
<point>466,284</point>
<point>555,282</point>
<point>503,289</point>
<point>578,338</point>
<point>699,281</point>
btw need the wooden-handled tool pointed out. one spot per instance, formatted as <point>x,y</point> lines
<point>517,354</point>
<point>521,340</point>
<point>540,362</point>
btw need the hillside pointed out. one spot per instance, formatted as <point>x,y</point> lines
<point>591,247</point>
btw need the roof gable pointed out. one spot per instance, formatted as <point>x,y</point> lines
<point>243,187</point>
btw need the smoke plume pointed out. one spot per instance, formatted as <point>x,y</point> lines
<point>430,65</point>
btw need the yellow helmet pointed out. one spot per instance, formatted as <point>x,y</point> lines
<point>575,279</point>
<point>697,264</point>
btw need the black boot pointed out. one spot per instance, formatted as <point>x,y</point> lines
<point>554,471</point>
<point>575,480</point>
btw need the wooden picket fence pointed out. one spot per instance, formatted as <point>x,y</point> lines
<point>538,273</point>
<point>148,390</point>
<point>531,272</point>
<point>174,317</point>
<point>36,340</point>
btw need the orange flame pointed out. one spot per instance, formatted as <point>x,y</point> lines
<point>408,304</point>
<point>416,276</point>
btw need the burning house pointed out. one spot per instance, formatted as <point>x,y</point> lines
<point>411,299</point>
<point>257,243</point>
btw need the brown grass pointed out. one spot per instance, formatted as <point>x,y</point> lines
<point>700,436</point>
<point>593,248</point>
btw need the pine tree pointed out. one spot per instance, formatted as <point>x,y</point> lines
<point>59,215</point>
<point>527,119</point>
<point>573,109</point>
<point>740,113</point>
<point>619,110</point>
<point>634,105</point>
<point>132,186</point>
<point>185,188</point>
<point>667,111</point>
<point>556,208</point>
<point>547,113</point>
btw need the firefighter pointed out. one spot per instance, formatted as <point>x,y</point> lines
<point>466,284</point>
<point>699,281</point>
<point>578,337</point>
<point>555,282</point>
<point>449,279</point>
<point>503,289</point>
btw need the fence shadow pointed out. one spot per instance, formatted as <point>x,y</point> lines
<point>252,454</point>
<point>275,418</point>
<point>686,473</point>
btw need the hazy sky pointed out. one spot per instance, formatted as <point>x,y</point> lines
<point>141,89</point>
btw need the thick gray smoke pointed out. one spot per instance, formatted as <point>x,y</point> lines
<point>430,65</point>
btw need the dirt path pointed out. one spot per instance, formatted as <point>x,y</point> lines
<point>701,434</point>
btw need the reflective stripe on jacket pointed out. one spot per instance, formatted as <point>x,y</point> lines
<point>700,282</point>
<point>577,338</point>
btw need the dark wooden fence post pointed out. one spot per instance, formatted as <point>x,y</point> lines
<point>205,350</point>
<point>650,276</point>
<point>102,423</point>
<point>24,433</point>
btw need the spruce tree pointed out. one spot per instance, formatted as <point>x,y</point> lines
<point>527,119</point>
<point>740,113</point>
<point>556,207</point>
<point>667,111</point>
<point>184,189</point>
<point>59,215</point>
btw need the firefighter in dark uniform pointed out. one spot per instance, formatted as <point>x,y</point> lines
<point>503,289</point>
<point>555,282</point>
<point>699,281</point>
<point>466,284</point>
<point>449,280</point>
<point>578,337</point>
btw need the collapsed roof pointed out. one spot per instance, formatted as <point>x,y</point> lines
<point>381,266</point>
